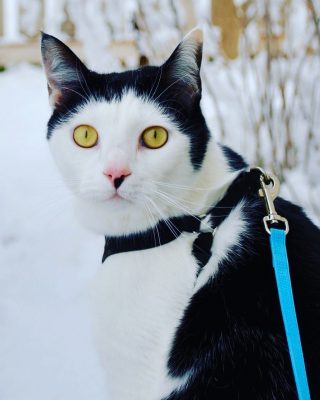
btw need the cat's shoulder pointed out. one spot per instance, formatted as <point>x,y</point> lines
<point>241,236</point>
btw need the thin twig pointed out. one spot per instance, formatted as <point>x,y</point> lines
<point>316,19</point>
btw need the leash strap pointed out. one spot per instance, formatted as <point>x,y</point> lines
<point>282,273</point>
<point>270,187</point>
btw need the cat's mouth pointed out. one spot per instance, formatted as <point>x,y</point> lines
<point>117,197</point>
<point>120,196</point>
<point>102,197</point>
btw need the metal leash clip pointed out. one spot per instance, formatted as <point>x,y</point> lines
<point>270,188</point>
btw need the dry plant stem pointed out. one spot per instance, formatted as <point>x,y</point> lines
<point>269,115</point>
<point>216,105</point>
<point>175,15</point>
<point>142,25</point>
<point>316,19</point>
<point>256,118</point>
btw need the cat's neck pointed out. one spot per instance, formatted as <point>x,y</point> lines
<point>212,181</point>
<point>206,187</point>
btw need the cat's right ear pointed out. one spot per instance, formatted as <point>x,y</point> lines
<point>63,68</point>
<point>184,64</point>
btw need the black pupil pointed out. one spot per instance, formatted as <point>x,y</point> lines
<point>86,134</point>
<point>155,134</point>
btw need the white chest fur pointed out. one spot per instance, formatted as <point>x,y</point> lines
<point>138,301</point>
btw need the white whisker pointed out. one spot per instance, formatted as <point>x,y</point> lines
<point>169,224</point>
<point>181,207</point>
<point>155,224</point>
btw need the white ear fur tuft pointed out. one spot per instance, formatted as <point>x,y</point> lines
<point>61,66</point>
<point>186,59</point>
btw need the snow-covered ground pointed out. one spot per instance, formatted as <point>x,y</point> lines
<point>46,258</point>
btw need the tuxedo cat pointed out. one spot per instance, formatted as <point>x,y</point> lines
<point>185,304</point>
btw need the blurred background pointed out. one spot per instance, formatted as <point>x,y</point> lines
<point>261,96</point>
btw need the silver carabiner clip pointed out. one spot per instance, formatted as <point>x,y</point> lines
<point>270,188</point>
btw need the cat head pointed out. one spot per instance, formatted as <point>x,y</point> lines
<point>132,146</point>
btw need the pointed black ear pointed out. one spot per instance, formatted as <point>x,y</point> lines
<point>63,68</point>
<point>185,62</point>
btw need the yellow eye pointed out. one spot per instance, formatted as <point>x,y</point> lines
<point>85,136</point>
<point>154,137</point>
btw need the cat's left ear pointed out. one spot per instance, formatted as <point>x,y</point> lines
<point>63,68</point>
<point>184,63</point>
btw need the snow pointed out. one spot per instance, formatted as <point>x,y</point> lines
<point>46,259</point>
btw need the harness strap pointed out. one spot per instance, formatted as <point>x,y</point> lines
<point>164,232</point>
<point>246,184</point>
<point>282,274</point>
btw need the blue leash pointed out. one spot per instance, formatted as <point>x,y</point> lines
<point>282,273</point>
<point>270,187</point>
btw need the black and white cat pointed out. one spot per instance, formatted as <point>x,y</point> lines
<point>185,303</point>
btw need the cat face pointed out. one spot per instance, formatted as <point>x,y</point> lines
<point>130,145</point>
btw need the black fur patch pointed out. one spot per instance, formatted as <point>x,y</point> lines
<point>231,339</point>
<point>201,249</point>
<point>235,161</point>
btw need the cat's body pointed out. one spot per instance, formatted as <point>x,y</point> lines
<point>195,317</point>
<point>138,310</point>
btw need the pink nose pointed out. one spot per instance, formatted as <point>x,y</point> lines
<point>116,175</point>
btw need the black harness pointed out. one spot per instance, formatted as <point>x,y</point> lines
<point>246,184</point>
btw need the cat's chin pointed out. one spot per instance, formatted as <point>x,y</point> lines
<point>114,217</point>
